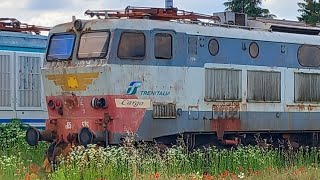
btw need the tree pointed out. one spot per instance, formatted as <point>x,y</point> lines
<point>310,12</point>
<point>250,7</point>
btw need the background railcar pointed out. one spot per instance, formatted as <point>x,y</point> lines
<point>21,90</point>
<point>160,75</point>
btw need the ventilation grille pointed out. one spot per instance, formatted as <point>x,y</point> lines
<point>164,111</point>
<point>223,85</point>
<point>264,86</point>
<point>5,81</point>
<point>29,81</point>
<point>307,87</point>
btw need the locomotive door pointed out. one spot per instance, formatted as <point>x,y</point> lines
<point>29,92</point>
<point>6,80</point>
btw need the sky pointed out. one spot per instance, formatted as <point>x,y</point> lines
<point>51,12</point>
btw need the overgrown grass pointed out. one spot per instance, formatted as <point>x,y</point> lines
<point>20,161</point>
<point>121,163</point>
<point>17,158</point>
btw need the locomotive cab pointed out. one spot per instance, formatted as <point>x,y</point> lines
<point>89,75</point>
<point>75,59</point>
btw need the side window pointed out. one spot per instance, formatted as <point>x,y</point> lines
<point>93,45</point>
<point>132,45</point>
<point>222,85</point>
<point>264,86</point>
<point>61,46</point>
<point>163,46</point>
<point>254,50</point>
<point>309,56</point>
<point>307,87</point>
<point>213,47</point>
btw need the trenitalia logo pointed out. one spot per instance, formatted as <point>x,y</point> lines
<point>133,87</point>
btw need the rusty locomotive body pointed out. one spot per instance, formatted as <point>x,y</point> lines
<point>160,74</point>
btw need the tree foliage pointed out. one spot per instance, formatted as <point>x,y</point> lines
<point>250,7</point>
<point>310,11</point>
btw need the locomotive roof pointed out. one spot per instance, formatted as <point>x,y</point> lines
<point>18,41</point>
<point>203,29</point>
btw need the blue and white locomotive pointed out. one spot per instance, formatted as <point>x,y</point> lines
<point>21,88</point>
<point>161,72</point>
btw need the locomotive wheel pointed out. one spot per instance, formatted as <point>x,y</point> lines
<point>53,152</point>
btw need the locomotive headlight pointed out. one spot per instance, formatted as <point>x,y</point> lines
<point>77,24</point>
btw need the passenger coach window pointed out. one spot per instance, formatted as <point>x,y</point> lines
<point>132,45</point>
<point>60,47</point>
<point>93,45</point>
<point>163,46</point>
<point>309,56</point>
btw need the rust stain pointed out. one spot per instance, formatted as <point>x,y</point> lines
<point>222,125</point>
<point>311,108</point>
<point>302,107</point>
<point>226,106</point>
<point>286,136</point>
<point>83,80</point>
<point>70,30</point>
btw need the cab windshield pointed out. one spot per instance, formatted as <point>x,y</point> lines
<point>93,45</point>
<point>60,47</point>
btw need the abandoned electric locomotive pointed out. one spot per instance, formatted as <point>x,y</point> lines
<point>160,72</point>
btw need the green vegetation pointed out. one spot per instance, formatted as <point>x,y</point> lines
<point>16,156</point>
<point>19,161</point>
<point>310,12</point>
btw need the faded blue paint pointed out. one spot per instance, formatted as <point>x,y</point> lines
<point>230,52</point>
<point>22,42</point>
<point>250,121</point>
